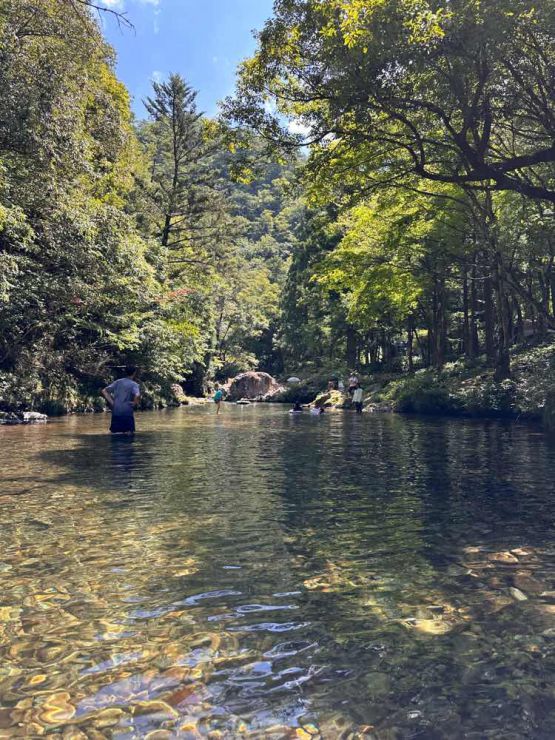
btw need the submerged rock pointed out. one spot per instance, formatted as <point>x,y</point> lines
<point>517,594</point>
<point>526,582</point>
<point>378,683</point>
<point>383,407</point>
<point>252,386</point>
<point>7,417</point>
<point>502,557</point>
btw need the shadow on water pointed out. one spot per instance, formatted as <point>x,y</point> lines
<point>257,570</point>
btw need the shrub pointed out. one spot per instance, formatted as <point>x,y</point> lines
<point>52,407</point>
<point>423,393</point>
<point>485,397</point>
<point>299,393</point>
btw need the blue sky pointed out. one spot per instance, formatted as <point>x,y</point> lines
<point>203,40</point>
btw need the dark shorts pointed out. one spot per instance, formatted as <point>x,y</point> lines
<point>122,424</point>
<point>358,407</point>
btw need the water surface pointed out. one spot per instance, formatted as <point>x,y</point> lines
<point>262,575</point>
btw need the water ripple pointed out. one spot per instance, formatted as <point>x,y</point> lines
<point>406,568</point>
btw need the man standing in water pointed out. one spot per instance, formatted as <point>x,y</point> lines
<point>123,397</point>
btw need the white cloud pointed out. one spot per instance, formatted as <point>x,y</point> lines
<point>120,4</point>
<point>156,76</point>
<point>156,22</point>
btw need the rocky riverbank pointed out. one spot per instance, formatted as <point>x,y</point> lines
<point>21,405</point>
<point>11,418</point>
<point>459,389</point>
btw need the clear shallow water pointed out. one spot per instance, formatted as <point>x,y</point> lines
<point>268,576</point>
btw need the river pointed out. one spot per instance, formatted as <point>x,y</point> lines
<point>262,575</point>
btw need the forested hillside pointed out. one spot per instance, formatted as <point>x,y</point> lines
<point>431,177</point>
<point>121,241</point>
<point>432,130</point>
<point>408,226</point>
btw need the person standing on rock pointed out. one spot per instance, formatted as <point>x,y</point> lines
<point>352,384</point>
<point>123,397</point>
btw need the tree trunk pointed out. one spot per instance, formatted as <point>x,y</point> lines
<point>466,341</point>
<point>351,352</point>
<point>489,323</point>
<point>439,322</point>
<point>166,230</point>
<point>474,339</point>
<point>519,324</point>
<point>544,291</point>
<point>410,344</point>
<point>385,348</point>
<point>503,362</point>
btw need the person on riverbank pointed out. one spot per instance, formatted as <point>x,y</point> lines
<point>218,398</point>
<point>123,397</point>
<point>352,384</point>
<point>357,399</point>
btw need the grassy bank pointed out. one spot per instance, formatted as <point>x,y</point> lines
<point>459,389</point>
<point>470,389</point>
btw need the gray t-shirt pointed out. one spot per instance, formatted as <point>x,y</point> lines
<point>123,391</point>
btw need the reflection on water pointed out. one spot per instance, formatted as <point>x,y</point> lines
<point>259,575</point>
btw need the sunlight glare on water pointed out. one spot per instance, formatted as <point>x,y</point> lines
<point>262,575</point>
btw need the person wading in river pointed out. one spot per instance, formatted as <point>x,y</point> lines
<point>218,398</point>
<point>357,399</point>
<point>123,397</point>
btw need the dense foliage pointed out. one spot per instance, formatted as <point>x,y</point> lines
<point>431,173</point>
<point>121,242</point>
<point>379,195</point>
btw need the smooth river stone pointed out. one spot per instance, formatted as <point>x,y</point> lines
<point>527,583</point>
<point>517,594</point>
<point>57,708</point>
<point>503,557</point>
<point>154,707</point>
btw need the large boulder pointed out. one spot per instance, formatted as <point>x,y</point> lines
<point>22,417</point>
<point>332,399</point>
<point>33,417</point>
<point>253,386</point>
